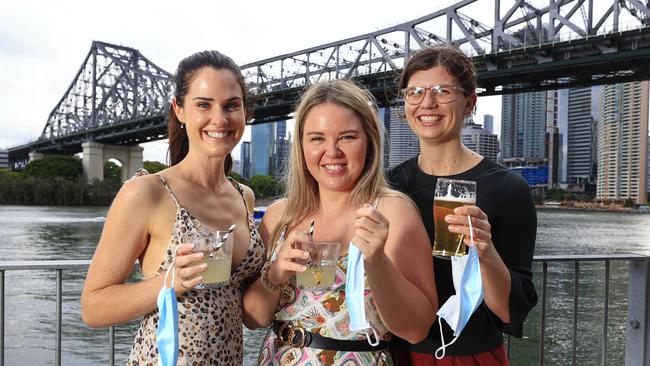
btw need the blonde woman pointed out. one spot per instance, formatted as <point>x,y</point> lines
<point>335,178</point>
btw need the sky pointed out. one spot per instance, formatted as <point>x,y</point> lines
<point>44,42</point>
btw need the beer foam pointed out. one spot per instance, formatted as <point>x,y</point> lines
<point>469,199</point>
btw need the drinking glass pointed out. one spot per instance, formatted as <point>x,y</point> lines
<point>217,254</point>
<point>321,265</point>
<point>449,194</point>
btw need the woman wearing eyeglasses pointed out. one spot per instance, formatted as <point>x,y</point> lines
<point>439,90</point>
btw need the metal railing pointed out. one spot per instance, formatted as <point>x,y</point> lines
<point>637,344</point>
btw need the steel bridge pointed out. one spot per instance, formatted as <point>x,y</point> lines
<point>119,97</point>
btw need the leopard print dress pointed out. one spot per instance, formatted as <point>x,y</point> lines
<point>209,321</point>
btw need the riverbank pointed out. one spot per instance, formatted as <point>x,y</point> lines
<point>586,206</point>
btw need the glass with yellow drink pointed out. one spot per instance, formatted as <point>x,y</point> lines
<point>449,194</point>
<point>321,265</point>
<point>217,254</point>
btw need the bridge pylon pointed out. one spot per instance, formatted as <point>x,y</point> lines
<point>96,154</point>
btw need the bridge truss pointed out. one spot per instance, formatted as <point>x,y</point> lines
<point>120,97</point>
<point>524,46</point>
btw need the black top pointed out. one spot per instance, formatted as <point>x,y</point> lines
<point>506,199</point>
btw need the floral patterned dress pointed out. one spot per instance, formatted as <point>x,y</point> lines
<point>323,312</point>
<point>210,320</point>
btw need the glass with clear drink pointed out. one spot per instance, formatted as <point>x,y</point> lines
<point>217,254</point>
<point>449,194</point>
<point>321,265</point>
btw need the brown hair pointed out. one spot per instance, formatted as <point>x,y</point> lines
<point>185,73</point>
<point>448,56</point>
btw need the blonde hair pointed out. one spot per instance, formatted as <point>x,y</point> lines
<point>301,187</point>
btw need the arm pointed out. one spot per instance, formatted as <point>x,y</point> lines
<point>401,275</point>
<point>506,253</point>
<point>106,298</point>
<point>260,304</point>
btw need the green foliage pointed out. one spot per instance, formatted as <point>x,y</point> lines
<point>154,166</point>
<point>23,189</point>
<point>264,186</point>
<point>112,172</point>
<point>50,166</point>
<point>555,194</point>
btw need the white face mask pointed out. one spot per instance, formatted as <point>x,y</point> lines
<point>355,295</point>
<point>458,309</point>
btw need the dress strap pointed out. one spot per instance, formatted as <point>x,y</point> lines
<point>168,188</point>
<point>241,192</point>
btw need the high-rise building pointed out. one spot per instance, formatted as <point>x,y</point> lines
<point>403,144</point>
<point>245,158</point>
<point>622,142</point>
<point>647,169</point>
<point>488,123</point>
<point>262,136</point>
<point>581,127</point>
<point>280,151</point>
<point>4,159</point>
<point>480,140</point>
<point>523,125</point>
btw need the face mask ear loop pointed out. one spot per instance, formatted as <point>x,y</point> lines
<point>471,230</point>
<point>171,268</point>
<point>440,352</point>
<point>374,336</point>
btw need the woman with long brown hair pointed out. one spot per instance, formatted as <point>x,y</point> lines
<point>152,214</point>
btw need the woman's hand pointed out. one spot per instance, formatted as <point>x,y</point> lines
<point>371,232</point>
<point>288,259</point>
<point>186,267</point>
<point>459,224</point>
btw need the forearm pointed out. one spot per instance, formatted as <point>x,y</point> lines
<point>396,296</point>
<point>496,286</point>
<point>259,306</point>
<point>117,304</point>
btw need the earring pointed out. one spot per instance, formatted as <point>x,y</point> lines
<point>182,124</point>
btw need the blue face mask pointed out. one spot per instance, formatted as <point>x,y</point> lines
<point>167,332</point>
<point>466,273</point>
<point>354,295</point>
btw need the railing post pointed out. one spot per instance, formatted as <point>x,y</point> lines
<point>59,300</point>
<point>637,342</point>
<point>2,318</point>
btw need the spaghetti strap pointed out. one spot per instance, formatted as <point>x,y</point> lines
<point>241,192</point>
<point>168,188</point>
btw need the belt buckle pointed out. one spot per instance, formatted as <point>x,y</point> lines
<point>292,333</point>
<point>282,339</point>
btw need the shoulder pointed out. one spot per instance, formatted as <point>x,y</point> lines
<point>249,196</point>
<point>397,207</point>
<point>274,210</point>
<point>398,176</point>
<point>502,178</point>
<point>143,188</point>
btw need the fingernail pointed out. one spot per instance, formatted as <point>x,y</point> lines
<point>198,255</point>
<point>305,254</point>
<point>457,210</point>
<point>204,266</point>
<point>448,218</point>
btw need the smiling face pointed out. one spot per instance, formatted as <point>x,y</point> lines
<point>334,146</point>
<point>213,112</point>
<point>433,121</point>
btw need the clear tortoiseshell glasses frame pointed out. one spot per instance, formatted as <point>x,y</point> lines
<point>443,94</point>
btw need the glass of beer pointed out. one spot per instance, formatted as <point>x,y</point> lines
<point>321,265</point>
<point>216,247</point>
<point>450,193</point>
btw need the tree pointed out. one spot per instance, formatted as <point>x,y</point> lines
<point>112,172</point>
<point>50,166</point>
<point>264,186</point>
<point>154,166</point>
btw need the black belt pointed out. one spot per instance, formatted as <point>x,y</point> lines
<point>298,337</point>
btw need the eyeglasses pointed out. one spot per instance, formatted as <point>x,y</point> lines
<point>441,93</point>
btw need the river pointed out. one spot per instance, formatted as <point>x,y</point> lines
<point>40,233</point>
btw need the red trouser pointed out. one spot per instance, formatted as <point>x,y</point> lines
<point>496,357</point>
